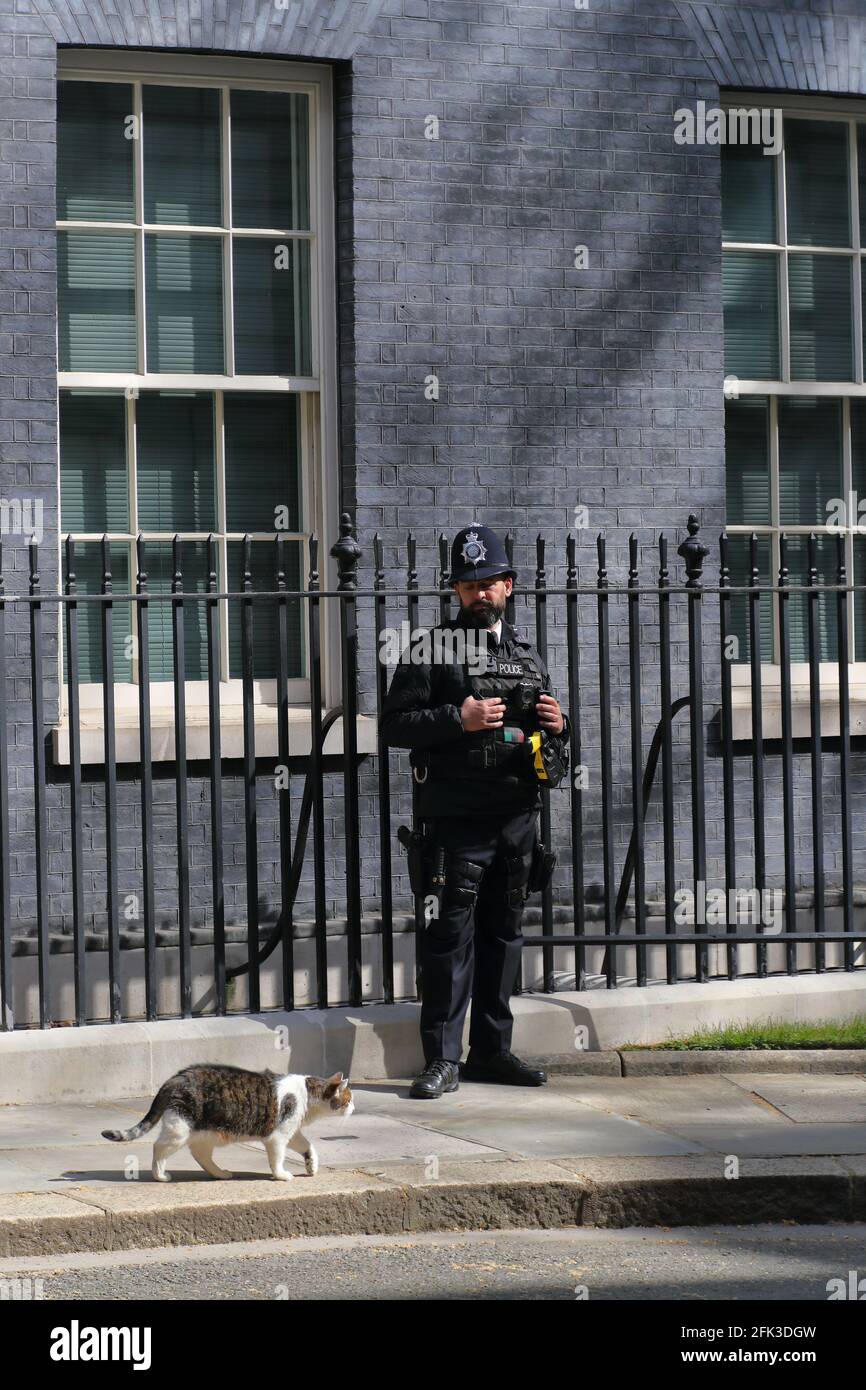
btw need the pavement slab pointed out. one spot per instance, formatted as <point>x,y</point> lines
<point>595,1150</point>
<point>101,1164</point>
<point>807,1099</point>
<point>772,1139</point>
<point>687,1167</point>
<point>29,1126</point>
<point>543,1121</point>
<point>672,1100</point>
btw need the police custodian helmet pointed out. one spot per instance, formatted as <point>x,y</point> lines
<point>478,553</point>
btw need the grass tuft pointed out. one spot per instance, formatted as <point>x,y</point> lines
<point>771,1033</point>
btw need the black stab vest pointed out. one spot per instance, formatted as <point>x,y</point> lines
<point>486,753</point>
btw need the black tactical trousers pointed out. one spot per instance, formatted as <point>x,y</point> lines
<point>473,945</point>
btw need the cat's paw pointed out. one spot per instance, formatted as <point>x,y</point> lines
<point>161,1177</point>
<point>311,1164</point>
<point>283,1177</point>
<point>221,1173</point>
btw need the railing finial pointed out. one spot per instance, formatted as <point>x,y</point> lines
<point>693,552</point>
<point>347,552</point>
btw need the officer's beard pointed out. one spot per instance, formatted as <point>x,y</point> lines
<point>481,614</point>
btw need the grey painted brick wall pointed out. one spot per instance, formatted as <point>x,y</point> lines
<point>558,385</point>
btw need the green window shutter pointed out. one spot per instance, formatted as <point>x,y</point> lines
<point>96,302</point>
<point>182,155</point>
<point>272,307</point>
<point>748,194</point>
<point>810,458</point>
<point>88,580</point>
<point>740,566</point>
<point>159,566</point>
<point>270,160</point>
<point>183,293</point>
<point>175,438</point>
<point>819,290</point>
<point>94,156</point>
<point>747,461</point>
<point>262,460</point>
<point>750,292</point>
<point>816,175</point>
<point>265,631</point>
<point>93,473</point>
<point>797,556</point>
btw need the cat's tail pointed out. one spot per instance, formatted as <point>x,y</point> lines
<point>153,1116</point>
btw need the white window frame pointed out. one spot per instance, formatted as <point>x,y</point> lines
<point>852,113</point>
<point>317,392</point>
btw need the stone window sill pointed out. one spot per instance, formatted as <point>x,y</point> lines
<point>128,745</point>
<point>801,722</point>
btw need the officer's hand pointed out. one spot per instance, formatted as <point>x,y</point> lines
<point>550,716</point>
<point>482,714</point>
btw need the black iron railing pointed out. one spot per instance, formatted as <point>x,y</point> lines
<point>643,655</point>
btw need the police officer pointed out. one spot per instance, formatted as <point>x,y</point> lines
<point>477,729</point>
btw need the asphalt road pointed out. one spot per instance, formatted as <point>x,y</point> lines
<point>770,1262</point>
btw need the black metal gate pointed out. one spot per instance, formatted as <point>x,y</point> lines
<point>666,778</point>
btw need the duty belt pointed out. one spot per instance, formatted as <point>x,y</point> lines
<point>496,751</point>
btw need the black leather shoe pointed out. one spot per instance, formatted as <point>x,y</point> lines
<point>437,1077</point>
<point>504,1068</point>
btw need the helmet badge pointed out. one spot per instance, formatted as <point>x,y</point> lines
<point>474,550</point>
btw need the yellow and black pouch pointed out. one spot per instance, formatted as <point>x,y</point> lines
<point>549,758</point>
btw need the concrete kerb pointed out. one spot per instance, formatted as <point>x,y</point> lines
<point>493,1195</point>
<point>580,1032</point>
<point>826,1061</point>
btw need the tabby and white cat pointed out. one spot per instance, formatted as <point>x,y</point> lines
<point>210,1105</point>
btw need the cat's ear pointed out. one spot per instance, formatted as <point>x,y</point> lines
<point>332,1085</point>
